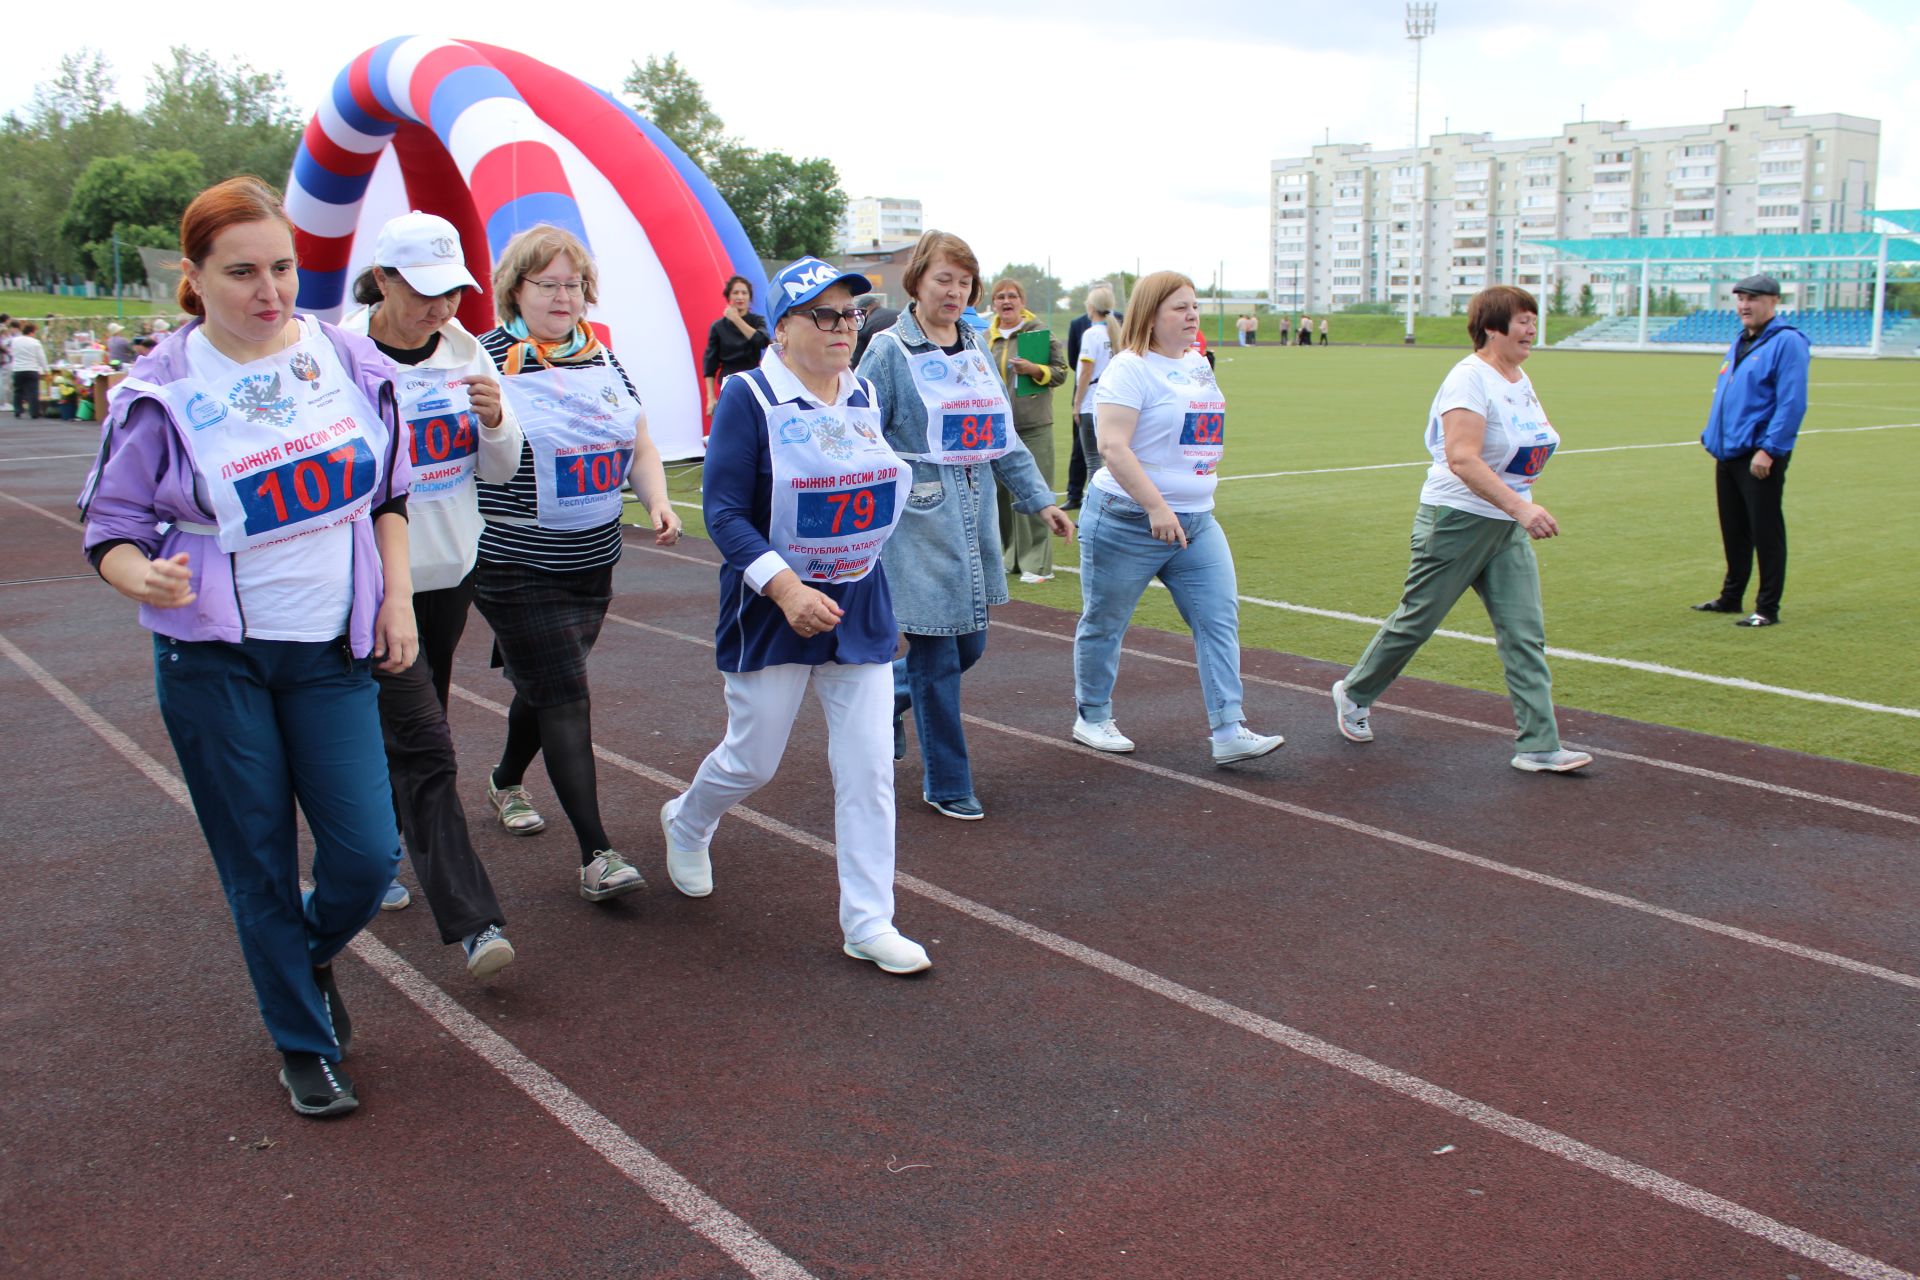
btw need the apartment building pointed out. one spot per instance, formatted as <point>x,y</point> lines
<point>1351,224</point>
<point>872,221</point>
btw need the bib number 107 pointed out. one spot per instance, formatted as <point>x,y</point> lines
<point>843,513</point>
<point>972,432</point>
<point>307,487</point>
<point>587,474</point>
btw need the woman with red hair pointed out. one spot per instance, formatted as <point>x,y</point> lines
<point>264,444</point>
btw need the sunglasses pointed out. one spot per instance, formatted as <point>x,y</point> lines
<point>826,319</point>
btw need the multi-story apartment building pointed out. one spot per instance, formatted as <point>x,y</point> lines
<point>1350,224</point>
<point>872,221</point>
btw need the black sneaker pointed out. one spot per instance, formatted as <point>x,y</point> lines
<point>1758,620</point>
<point>336,1008</point>
<point>1715,605</point>
<point>316,1086</point>
<point>899,738</point>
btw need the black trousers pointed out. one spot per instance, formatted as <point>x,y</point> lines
<point>26,394</point>
<point>420,762</point>
<point>1752,526</point>
<point>1077,469</point>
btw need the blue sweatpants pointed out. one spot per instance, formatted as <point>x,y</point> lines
<point>258,726</point>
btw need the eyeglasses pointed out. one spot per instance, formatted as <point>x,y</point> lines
<point>826,319</point>
<point>547,288</point>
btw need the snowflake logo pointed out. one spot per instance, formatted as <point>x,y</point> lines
<point>1203,374</point>
<point>830,434</point>
<point>259,399</point>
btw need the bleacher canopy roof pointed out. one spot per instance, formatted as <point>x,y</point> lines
<point>1905,219</point>
<point>1843,246</point>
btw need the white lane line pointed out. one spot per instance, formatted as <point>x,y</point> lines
<point>1372,832</point>
<point>70,525</point>
<point>701,1213</point>
<point>1577,655</point>
<point>1675,1192</point>
<point>1506,731</point>
<point>1563,453</point>
<point>1693,770</point>
<point>47,457</point>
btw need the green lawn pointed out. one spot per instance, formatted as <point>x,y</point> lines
<point>34,306</point>
<point>1640,541</point>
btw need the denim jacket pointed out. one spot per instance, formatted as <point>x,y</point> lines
<point>943,562</point>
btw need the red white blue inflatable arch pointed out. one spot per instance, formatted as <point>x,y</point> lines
<point>496,142</point>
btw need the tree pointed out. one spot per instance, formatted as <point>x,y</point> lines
<point>72,120</point>
<point>139,200</point>
<point>237,120</point>
<point>788,207</point>
<point>1587,307</point>
<point>1043,288</point>
<point>1557,303</point>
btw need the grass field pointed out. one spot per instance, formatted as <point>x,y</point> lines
<point>1640,540</point>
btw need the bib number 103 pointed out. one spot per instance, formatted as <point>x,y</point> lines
<point>307,487</point>
<point>843,513</point>
<point>972,432</point>
<point>584,475</point>
<point>1204,428</point>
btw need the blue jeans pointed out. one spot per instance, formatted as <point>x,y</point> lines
<point>1119,556</point>
<point>928,681</point>
<point>258,726</point>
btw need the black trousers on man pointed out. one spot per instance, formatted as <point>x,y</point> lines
<point>1752,526</point>
<point>426,795</point>
<point>26,394</point>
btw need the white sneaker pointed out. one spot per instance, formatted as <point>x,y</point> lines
<point>1105,736</point>
<point>691,870</point>
<point>1245,744</point>
<point>1561,761</point>
<point>1033,579</point>
<point>608,876</point>
<point>1350,715</point>
<point>891,952</point>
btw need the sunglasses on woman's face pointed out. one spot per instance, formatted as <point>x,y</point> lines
<point>826,319</point>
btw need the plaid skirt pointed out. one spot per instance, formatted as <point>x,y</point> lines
<point>544,626</point>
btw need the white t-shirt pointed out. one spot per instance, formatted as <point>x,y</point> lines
<point>296,590</point>
<point>1096,348</point>
<point>1518,442</point>
<point>1182,427</point>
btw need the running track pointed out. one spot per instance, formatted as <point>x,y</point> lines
<point>1341,1012</point>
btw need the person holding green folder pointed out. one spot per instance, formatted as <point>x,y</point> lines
<point>1032,362</point>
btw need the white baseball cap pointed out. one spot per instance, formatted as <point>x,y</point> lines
<point>425,250</point>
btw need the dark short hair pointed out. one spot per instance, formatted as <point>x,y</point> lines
<point>366,289</point>
<point>734,280</point>
<point>1493,309</point>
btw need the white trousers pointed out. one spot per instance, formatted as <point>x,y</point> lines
<point>761,708</point>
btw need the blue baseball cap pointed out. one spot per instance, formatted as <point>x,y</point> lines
<point>805,279</point>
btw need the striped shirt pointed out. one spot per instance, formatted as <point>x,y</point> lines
<point>552,550</point>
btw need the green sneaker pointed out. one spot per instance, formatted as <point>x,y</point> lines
<point>515,807</point>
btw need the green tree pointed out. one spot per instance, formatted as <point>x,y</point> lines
<point>234,118</point>
<point>1587,307</point>
<point>1043,288</point>
<point>788,207</point>
<point>72,120</point>
<point>1557,302</point>
<point>139,200</point>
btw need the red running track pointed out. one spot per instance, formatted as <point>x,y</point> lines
<point>1345,1011</point>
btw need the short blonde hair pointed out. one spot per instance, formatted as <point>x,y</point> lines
<point>941,244</point>
<point>1148,297</point>
<point>531,250</point>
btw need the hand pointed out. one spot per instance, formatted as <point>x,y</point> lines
<point>1027,367</point>
<point>485,394</point>
<point>396,638</point>
<point>1762,464</point>
<point>666,525</point>
<point>712,402</point>
<point>1536,520</point>
<point>1166,526</point>
<point>1058,521</point>
<point>168,583</point>
<point>809,612</point>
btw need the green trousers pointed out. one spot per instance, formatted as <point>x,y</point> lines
<point>1025,542</point>
<point>1452,551</point>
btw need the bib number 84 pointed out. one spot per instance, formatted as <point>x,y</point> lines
<point>972,432</point>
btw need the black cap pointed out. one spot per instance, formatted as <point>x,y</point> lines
<point>1762,285</point>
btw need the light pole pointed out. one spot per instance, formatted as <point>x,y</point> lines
<point>1419,27</point>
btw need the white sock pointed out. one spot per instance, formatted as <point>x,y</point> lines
<point>1228,732</point>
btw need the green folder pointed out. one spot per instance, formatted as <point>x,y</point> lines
<point>1035,345</point>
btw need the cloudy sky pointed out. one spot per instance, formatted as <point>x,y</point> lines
<point>1095,135</point>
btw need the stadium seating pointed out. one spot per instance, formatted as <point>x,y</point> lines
<point>1849,328</point>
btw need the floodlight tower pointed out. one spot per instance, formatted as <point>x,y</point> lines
<point>1419,27</point>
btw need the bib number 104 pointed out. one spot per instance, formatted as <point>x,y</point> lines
<point>587,474</point>
<point>307,487</point>
<point>972,432</point>
<point>843,513</point>
<point>440,439</point>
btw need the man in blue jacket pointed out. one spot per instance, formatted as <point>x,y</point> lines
<point>1758,402</point>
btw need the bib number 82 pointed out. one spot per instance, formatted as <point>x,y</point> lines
<point>1204,428</point>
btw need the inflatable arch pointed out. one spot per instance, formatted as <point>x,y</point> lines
<point>496,142</point>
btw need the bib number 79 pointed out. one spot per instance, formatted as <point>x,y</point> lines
<point>843,513</point>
